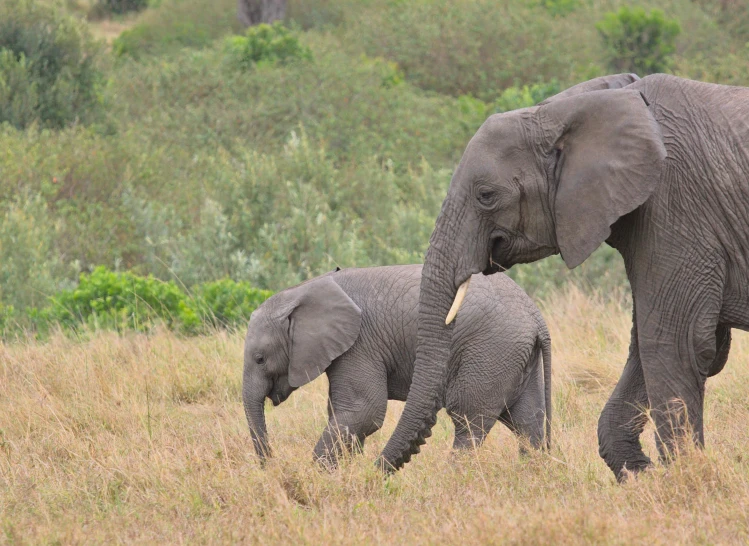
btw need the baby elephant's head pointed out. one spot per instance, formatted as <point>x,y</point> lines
<point>291,339</point>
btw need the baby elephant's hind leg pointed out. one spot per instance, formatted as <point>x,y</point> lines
<point>527,415</point>
<point>470,431</point>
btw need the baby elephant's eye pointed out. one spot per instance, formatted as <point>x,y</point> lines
<point>260,359</point>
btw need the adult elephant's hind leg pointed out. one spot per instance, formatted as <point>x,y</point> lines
<point>623,419</point>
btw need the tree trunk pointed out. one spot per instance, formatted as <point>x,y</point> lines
<point>254,12</point>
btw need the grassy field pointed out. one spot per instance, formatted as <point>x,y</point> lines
<point>142,439</point>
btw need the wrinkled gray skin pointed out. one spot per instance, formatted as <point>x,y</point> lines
<point>359,327</point>
<point>655,167</point>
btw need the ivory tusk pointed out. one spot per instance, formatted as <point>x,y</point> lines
<point>459,297</point>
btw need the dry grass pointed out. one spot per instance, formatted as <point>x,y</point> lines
<point>141,439</point>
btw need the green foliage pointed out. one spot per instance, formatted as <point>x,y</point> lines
<point>200,171</point>
<point>30,269</point>
<point>320,14</point>
<point>120,301</point>
<point>559,8</point>
<point>637,41</point>
<point>266,44</point>
<point>731,15</point>
<point>104,8</point>
<point>353,104</point>
<point>48,68</point>
<point>104,299</point>
<point>177,24</point>
<point>475,48</point>
<point>514,98</point>
<point>226,303</point>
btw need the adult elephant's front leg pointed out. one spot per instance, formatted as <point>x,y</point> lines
<point>623,419</point>
<point>678,348</point>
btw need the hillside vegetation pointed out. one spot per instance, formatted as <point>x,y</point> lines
<point>184,163</point>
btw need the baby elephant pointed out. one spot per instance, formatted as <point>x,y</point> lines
<point>359,327</point>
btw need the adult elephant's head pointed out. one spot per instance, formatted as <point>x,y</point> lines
<point>534,182</point>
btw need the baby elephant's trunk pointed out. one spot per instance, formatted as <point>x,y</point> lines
<point>254,409</point>
<point>256,419</point>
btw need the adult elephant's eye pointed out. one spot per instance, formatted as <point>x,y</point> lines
<point>260,359</point>
<point>486,197</point>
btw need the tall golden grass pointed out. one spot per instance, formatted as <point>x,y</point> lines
<point>142,439</point>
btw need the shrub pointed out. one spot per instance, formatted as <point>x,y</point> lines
<point>177,24</point>
<point>559,8</point>
<point>48,70</point>
<point>354,105</point>
<point>105,299</point>
<point>30,269</point>
<point>637,41</point>
<point>514,98</point>
<point>266,44</point>
<point>321,14</point>
<point>477,48</point>
<point>120,301</point>
<point>104,8</point>
<point>226,303</point>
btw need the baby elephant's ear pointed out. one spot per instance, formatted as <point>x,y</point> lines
<point>324,323</point>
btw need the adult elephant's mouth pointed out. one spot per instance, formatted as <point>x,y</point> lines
<point>498,255</point>
<point>508,249</point>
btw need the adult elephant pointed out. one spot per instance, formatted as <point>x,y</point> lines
<point>657,168</point>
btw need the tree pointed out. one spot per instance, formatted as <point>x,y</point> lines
<point>637,41</point>
<point>254,12</point>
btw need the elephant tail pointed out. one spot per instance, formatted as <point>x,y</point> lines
<point>545,341</point>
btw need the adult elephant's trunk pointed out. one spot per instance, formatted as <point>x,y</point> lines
<point>254,410</point>
<point>425,398</point>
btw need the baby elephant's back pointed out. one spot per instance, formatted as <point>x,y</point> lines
<point>497,312</point>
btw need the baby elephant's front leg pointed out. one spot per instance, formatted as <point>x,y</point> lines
<point>352,416</point>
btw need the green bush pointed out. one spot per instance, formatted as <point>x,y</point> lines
<point>104,8</point>
<point>637,41</point>
<point>514,98</point>
<point>30,266</point>
<point>226,303</point>
<point>475,48</point>
<point>104,299</point>
<point>353,104</point>
<point>48,67</point>
<point>559,8</point>
<point>176,24</point>
<point>320,14</point>
<point>731,15</point>
<point>120,301</point>
<point>266,44</point>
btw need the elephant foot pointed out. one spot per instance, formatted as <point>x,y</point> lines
<point>330,464</point>
<point>630,471</point>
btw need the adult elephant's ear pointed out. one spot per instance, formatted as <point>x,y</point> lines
<point>609,154</point>
<point>323,324</point>
<point>612,81</point>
